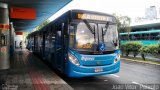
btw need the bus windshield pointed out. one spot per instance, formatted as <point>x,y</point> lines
<point>85,37</point>
<point>108,35</point>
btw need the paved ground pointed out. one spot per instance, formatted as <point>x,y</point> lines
<point>132,76</point>
<point>27,72</point>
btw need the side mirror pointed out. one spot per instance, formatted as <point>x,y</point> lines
<point>115,44</point>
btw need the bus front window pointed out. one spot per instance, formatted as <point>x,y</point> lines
<point>88,36</point>
<point>109,36</point>
<point>85,37</point>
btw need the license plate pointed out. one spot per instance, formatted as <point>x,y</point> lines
<point>98,70</point>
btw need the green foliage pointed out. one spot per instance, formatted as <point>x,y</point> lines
<point>136,48</point>
<point>133,47</point>
<point>153,49</point>
<point>150,49</point>
<point>123,49</point>
<point>128,48</point>
<point>144,51</point>
<point>123,23</point>
<point>159,50</point>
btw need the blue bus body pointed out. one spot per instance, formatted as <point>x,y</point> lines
<point>96,65</point>
<point>57,43</point>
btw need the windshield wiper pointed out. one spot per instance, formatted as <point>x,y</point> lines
<point>106,28</point>
<point>92,30</point>
<point>89,26</point>
<point>102,34</point>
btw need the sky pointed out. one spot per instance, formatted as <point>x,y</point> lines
<point>130,8</point>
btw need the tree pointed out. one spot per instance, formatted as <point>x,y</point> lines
<point>123,23</point>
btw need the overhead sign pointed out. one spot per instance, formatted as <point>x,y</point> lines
<point>4,27</point>
<point>22,13</point>
<point>19,33</point>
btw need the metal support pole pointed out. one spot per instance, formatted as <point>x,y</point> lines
<point>4,36</point>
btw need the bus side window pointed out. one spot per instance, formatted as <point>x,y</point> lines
<point>59,37</point>
<point>3,40</point>
<point>53,39</point>
<point>72,35</point>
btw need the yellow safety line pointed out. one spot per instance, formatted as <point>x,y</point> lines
<point>140,61</point>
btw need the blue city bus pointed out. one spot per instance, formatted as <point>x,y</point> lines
<point>149,37</point>
<point>79,43</point>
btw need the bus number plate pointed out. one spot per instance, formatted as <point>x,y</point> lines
<point>98,70</point>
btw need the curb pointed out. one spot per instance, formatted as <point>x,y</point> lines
<point>139,61</point>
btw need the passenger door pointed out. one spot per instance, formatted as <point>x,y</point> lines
<point>43,46</point>
<point>59,53</point>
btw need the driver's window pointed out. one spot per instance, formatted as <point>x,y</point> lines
<point>111,33</point>
<point>72,35</point>
<point>83,35</point>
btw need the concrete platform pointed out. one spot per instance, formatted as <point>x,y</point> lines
<point>27,72</point>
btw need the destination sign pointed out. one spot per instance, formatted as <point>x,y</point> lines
<point>4,27</point>
<point>93,17</point>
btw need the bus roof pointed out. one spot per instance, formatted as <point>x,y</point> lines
<point>142,32</point>
<point>92,16</point>
<point>92,12</point>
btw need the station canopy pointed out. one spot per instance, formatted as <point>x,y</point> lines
<point>43,8</point>
<point>146,24</point>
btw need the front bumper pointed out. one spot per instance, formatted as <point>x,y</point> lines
<point>83,71</point>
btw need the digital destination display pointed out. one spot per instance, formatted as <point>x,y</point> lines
<point>93,17</point>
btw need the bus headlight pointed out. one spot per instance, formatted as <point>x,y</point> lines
<point>117,58</point>
<point>73,59</point>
